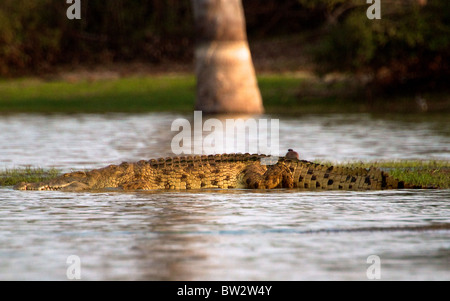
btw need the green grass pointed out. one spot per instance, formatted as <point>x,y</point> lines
<point>424,173</point>
<point>133,94</point>
<point>10,177</point>
<point>282,93</point>
<point>140,94</point>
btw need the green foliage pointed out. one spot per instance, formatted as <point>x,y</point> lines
<point>36,35</point>
<point>28,38</point>
<point>410,42</point>
<point>350,45</point>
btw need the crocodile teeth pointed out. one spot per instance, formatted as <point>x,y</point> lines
<point>48,188</point>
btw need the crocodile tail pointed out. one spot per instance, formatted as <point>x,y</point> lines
<point>316,176</point>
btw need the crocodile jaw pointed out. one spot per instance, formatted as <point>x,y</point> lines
<point>68,186</point>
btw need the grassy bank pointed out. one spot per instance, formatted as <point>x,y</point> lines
<point>131,94</point>
<point>282,93</point>
<point>425,173</point>
<point>10,177</point>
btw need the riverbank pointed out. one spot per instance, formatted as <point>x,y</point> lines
<point>289,92</point>
<point>425,173</point>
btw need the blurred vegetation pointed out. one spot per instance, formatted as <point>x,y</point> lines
<point>148,94</point>
<point>408,46</point>
<point>35,35</point>
<point>407,49</point>
<point>176,92</point>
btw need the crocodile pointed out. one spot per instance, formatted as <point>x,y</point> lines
<point>225,171</point>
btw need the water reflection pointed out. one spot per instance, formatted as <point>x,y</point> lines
<point>235,235</point>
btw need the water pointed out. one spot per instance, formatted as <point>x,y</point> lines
<point>71,142</point>
<point>221,235</point>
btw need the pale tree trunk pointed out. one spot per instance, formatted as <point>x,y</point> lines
<point>226,80</point>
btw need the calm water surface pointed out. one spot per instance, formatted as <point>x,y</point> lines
<point>221,235</point>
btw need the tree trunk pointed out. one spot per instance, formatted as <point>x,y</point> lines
<point>226,80</point>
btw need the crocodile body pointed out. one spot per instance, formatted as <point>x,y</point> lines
<point>220,171</point>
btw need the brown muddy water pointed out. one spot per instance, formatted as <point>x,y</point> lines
<point>218,234</point>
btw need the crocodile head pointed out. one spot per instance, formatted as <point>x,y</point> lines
<point>291,154</point>
<point>68,182</point>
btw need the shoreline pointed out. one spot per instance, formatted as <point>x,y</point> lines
<point>283,93</point>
